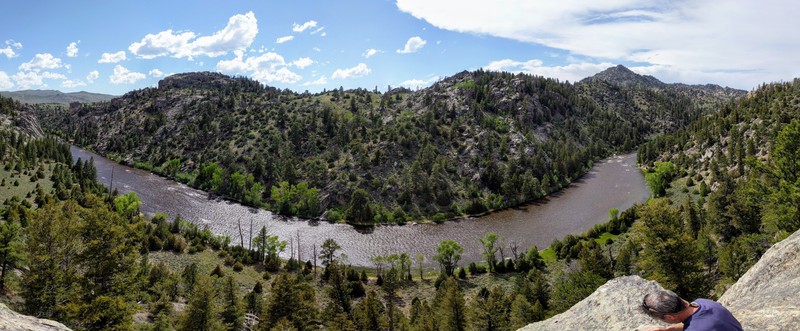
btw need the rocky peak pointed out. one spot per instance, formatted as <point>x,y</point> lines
<point>621,75</point>
<point>207,80</point>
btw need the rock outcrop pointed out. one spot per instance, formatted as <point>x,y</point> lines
<point>13,321</point>
<point>613,306</point>
<point>765,298</point>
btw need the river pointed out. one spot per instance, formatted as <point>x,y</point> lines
<point>612,183</point>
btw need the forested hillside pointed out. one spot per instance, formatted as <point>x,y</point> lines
<point>473,142</point>
<point>732,179</point>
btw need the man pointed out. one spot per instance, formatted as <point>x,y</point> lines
<point>701,314</point>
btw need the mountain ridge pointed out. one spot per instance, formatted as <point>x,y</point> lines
<point>483,126</point>
<point>55,96</point>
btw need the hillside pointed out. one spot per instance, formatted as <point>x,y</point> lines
<point>472,142</point>
<point>763,299</point>
<point>53,96</point>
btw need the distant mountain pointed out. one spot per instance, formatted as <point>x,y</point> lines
<point>53,96</point>
<point>621,75</point>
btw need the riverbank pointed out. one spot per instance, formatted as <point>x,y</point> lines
<point>611,183</point>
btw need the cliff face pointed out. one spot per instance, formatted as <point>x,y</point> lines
<point>13,321</point>
<point>765,298</point>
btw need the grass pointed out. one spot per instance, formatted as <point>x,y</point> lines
<point>676,191</point>
<point>25,185</point>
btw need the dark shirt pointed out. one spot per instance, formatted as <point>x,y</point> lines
<point>711,316</point>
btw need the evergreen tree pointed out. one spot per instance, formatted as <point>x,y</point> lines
<point>450,306</point>
<point>668,256</point>
<point>201,312</point>
<point>233,312</point>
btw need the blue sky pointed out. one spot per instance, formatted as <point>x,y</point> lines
<point>114,47</point>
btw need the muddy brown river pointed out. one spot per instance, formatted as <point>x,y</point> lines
<point>612,183</point>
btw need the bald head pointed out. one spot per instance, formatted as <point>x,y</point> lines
<point>659,303</point>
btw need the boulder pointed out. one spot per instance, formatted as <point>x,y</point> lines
<point>765,298</point>
<point>13,321</point>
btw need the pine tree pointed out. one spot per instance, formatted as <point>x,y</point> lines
<point>450,306</point>
<point>232,313</point>
<point>201,310</point>
<point>521,313</point>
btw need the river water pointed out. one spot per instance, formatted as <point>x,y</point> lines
<point>612,183</point>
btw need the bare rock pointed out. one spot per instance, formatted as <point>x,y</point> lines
<point>13,321</point>
<point>613,306</point>
<point>765,298</point>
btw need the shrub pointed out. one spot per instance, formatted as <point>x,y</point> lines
<point>238,266</point>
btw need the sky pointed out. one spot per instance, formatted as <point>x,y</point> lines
<point>114,47</point>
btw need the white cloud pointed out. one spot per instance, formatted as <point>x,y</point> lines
<point>282,75</point>
<point>41,61</point>
<point>303,62</point>
<point>317,49</point>
<point>124,76</point>
<point>300,28</point>
<point>72,83</point>
<point>27,80</point>
<point>571,72</point>
<point>112,57</point>
<point>72,49</point>
<point>53,75</point>
<point>237,35</point>
<point>722,38</point>
<point>321,81</point>
<point>284,39</point>
<point>156,73</point>
<point>370,52</point>
<point>92,76</point>
<point>5,81</point>
<point>413,45</point>
<point>320,30</point>
<point>358,71</point>
<point>267,68</point>
<point>418,83</point>
<point>8,51</point>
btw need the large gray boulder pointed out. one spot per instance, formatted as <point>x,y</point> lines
<point>13,321</point>
<point>613,306</point>
<point>766,297</point>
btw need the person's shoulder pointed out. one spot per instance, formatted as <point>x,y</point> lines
<point>706,302</point>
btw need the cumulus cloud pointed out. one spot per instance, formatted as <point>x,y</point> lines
<point>92,76</point>
<point>413,45</point>
<point>237,35</point>
<point>8,51</point>
<point>714,37</point>
<point>321,81</point>
<point>284,39</point>
<point>5,81</point>
<point>112,57</point>
<point>28,80</point>
<point>72,49</point>
<point>360,70</point>
<point>266,68</point>
<point>124,76</point>
<point>41,61</point>
<point>156,73</point>
<point>53,75</point>
<point>419,83</point>
<point>572,72</point>
<point>370,52</point>
<point>302,62</point>
<point>72,83</point>
<point>300,28</point>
